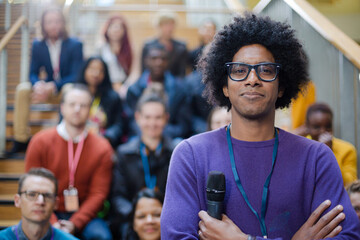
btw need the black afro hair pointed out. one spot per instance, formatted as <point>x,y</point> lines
<point>277,37</point>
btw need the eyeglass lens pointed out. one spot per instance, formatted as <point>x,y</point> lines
<point>32,196</point>
<point>266,72</point>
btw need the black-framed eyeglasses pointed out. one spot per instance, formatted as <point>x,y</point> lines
<point>33,196</point>
<point>266,72</point>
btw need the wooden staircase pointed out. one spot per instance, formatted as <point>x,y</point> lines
<point>41,116</point>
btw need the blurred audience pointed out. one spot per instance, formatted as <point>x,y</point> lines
<point>82,163</point>
<point>142,162</point>
<point>106,113</point>
<point>319,123</point>
<point>354,193</point>
<point>207,31</point>
<point>299,106</point>
<point>37,200</point>
<point>55,61</point>
<point>156,60</point>
<point>218,117</point>
<point>165,24</point>
<point>117,53</point>
<point>145,217</point>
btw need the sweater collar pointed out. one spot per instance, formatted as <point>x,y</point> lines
<point>61,130</point>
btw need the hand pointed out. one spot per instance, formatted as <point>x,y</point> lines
<point>325,227</point>
<point>326,138</point>
<point>214,229</point>
<point>67,226</point>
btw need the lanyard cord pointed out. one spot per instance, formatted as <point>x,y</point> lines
<point>266,185</point>
<point>150,181</point>
<point>74,160</point>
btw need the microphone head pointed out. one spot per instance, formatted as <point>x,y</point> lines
<point>215,186</point>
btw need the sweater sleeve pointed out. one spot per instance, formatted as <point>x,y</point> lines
<point>329,185</point>
<point>99,189</point>
<point>346,156</point>
<point>179,218</point>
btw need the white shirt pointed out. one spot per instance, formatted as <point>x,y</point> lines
<point>54,51</point>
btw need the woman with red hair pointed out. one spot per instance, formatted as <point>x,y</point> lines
<point>117,52</point>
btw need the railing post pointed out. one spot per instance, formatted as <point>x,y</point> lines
<point>3,82</point>
<point>24,72</point>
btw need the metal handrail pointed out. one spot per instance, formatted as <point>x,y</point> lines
<point>323,26</point>
<point>12,31</point>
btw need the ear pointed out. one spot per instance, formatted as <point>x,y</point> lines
<point>281,92</point>
<point>226,90</point>
<point>17,201</point>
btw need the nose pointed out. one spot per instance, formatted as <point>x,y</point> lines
<point>252,78</point>
<point>40,199</point>
<point>77,107</point>
<point>149,218</point>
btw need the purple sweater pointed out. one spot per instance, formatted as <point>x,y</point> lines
<point>306,174</point>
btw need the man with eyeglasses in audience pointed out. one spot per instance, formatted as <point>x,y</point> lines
<point>82,163</point>
<point>37,200</point>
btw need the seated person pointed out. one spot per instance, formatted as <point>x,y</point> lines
<point>82,163</point>
<point>142,162</point>
<point>106,114</point>
<point>354,193</point>
<point>207,31</point>
<point>165,26</point>
<point>199,106</point>
<point>157,60</point>
<point>55,61</point>
<point>37,200</point>
<point>145,217</point>
<point>218,117</point>
<point>319,122</point>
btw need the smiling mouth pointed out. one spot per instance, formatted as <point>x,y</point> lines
<point>251,94</point>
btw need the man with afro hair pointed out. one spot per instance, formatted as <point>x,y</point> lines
<point>278,185</point>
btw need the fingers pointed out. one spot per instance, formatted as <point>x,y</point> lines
<point>333,219</point>
<point>315,215</point>
<point>335,232</point>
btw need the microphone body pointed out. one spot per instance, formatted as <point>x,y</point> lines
<point>215,193</point>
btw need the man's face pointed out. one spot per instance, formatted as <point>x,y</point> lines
<point>207,32</point>
<point>252,98</point>
<point>157,62</point>
<point>167,29</point>
<point>75,108</point>
<point>319,123</point>
<point>355,202</point>
<point>53,24</point>
<point>151,119</point>
<point>37,210</point>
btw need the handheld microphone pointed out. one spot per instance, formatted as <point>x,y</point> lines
<point>215,193</point>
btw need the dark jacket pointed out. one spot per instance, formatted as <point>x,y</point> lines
<point>128,174</point>
<point>116,119</point>
<point>200,108</point>
<point>177,56</point>
<point>178,104</point>
<point>71,58</point>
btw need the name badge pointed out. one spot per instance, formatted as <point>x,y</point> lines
<point>71,199</point>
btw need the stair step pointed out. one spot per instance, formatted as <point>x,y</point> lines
<point>36,115</point>
<point>8,187</point>
<point>12,166</point>
<point>11,212</point>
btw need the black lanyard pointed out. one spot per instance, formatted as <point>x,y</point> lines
<point>266,185</point>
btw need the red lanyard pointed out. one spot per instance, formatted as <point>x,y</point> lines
<point>74,159</point>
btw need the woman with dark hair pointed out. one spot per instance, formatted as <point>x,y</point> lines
<point>106,114</point>
<point>145,217</point>
<point>117,51</point>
